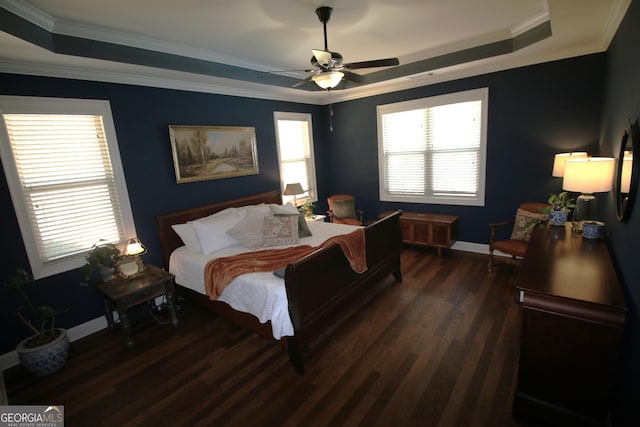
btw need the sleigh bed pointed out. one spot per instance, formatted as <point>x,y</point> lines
<point>318,288</point>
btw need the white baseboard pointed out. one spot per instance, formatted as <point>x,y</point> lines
<point>471,247</point>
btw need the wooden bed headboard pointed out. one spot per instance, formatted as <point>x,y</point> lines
<point>169,240</point>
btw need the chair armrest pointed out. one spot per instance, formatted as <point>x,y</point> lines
<point>493,228</point>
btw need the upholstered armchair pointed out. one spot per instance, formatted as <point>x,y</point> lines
<point>528,216</point>
<point>342,210</point>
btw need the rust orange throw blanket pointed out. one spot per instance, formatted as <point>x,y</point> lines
<point>218,273</point>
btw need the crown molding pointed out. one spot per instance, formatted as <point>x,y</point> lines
<point>180,81</point>
<point>29,13</point>
<point>613,21</point>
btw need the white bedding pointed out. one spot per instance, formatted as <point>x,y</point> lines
<point>261,294</point>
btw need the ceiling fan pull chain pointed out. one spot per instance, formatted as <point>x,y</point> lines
<point>330,111</point>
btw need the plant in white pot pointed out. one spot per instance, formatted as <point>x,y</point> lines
<point>46,351</point>
<point>560,208</point>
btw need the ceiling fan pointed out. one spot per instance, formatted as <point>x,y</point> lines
<point>329,70</point>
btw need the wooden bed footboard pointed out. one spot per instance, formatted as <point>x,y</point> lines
<point>322,285</point>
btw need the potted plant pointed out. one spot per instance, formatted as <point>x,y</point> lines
<point>307,209</point>
<point>101,262</point>
<point>560,206</point>
<point>46,351</point>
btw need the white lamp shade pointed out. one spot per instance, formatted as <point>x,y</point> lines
<point>134,247</point>
<point>561,158</point>
<point>328,80</point>
<point>625,179</point>
<point>590,175</point>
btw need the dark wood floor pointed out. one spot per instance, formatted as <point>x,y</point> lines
<point>439,349</point>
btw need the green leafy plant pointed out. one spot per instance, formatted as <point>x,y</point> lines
<point>307,208</point>
<point>107,255</point>
<point>40,319</point>
<point>561,202</point>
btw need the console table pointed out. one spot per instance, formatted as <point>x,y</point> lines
<point>573,314</point>
<point>426,229</point>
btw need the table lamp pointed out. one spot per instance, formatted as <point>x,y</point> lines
<point>293,189</point>
<point>133,249</point>
<point>560,159</point>
<point>588,176</point>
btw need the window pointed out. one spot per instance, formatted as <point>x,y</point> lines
<point>295,153</point>
<point>63,167</point>
<point>433,150</point>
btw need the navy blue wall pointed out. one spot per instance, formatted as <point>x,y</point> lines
<point>141,116</point>
<point>534,112</point>
<point>621,105</point>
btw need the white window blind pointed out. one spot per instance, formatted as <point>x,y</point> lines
<point>295,153</point>
<point>432,150</point>
<point>64,186</point>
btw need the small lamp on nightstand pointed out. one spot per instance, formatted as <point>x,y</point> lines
<point>131,264</point>
<point>293,190</point>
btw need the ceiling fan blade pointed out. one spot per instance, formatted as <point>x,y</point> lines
<point>323,57</point>
<point>371,64</point>
<point>356,78</point>
<point>307,70</point>
<point>303,82</point>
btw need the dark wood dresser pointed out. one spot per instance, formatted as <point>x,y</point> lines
<point>573,312</point>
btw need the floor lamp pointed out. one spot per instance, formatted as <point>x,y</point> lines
<point>587,176</point>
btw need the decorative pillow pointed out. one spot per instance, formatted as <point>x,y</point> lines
<point>303,228</point>
<point>263,208</point>
<point>280,230</point>
<point>343,208</point>
<point>212,232</point>
<point>524,224</point>
<point>250,230</point>
<point>284,209</point>
<point>188,236</point>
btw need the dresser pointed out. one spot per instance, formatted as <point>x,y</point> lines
<point>573,314</point>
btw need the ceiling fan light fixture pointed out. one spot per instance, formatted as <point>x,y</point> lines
<point>328,80</point>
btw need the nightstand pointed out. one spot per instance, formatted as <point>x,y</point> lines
<point>319,218</point>
<point>123,293</point>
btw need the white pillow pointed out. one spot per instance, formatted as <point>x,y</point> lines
<point>284,209</point>
<point>250,230</point>
<point>218,214</point>
<point>212,232</point>
<point>188,235</point>
<point>262,208</point>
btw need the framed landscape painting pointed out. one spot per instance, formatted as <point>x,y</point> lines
<point>213,152</point>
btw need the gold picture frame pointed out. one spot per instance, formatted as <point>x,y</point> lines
<point>213,152</point>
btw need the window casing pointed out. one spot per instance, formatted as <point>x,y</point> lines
<point>295,153</point>
<point>433,150</point>
<point>62,164</point>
